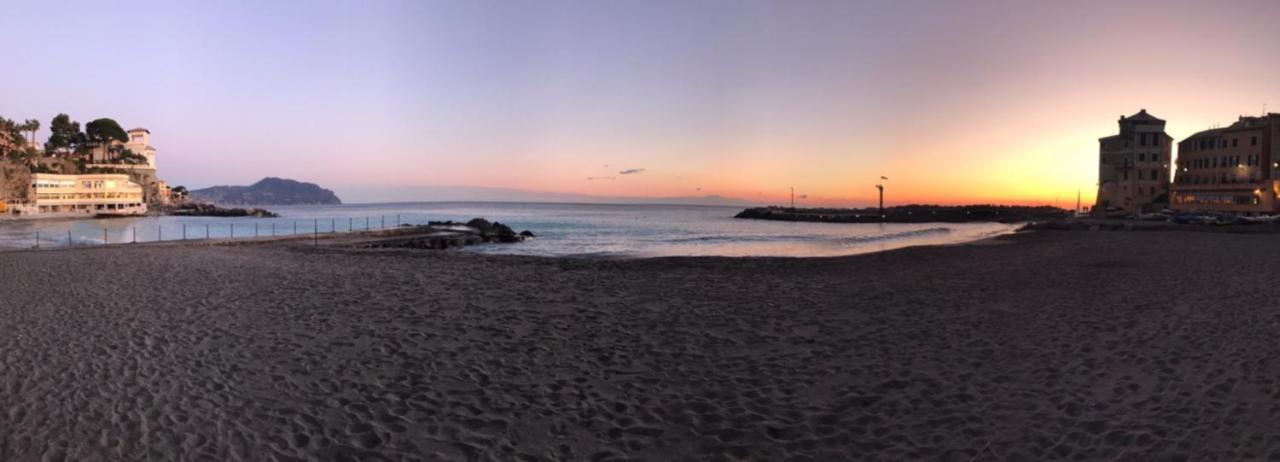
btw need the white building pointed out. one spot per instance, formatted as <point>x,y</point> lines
<point>140,143</point>
<point>78,195</point>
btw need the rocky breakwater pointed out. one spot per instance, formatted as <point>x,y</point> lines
<point>440,235</point>
<point>210,210</point>
<point>909,214</point>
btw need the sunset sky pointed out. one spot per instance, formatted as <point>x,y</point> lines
<point>954,101</point>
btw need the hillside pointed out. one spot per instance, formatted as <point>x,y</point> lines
<point>269,191</point>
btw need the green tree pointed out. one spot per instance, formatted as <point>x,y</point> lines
<point>11,131</point>
<point>4,136</point>
<point>132,158</point>
<point>103,131</point>
<point>64,135</point>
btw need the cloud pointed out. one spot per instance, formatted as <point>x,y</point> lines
<point>802,196</point>
<point>631,171</point>
<point>602,178</point>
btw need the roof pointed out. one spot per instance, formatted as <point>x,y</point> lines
<point>139,129</point>
<point>1204,134</point>
<point>1143,117</point>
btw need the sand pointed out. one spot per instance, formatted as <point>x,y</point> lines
<point>1048,345</point>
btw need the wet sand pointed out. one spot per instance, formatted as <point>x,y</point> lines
<point>1045,345</point>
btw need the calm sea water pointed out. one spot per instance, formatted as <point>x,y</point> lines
<point>562,229</point>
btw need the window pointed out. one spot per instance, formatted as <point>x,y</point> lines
<point>1142,139</point>
<point>1139,174</point>
<point>1154,175</point>
<point>1142,157</point>
<point>1155,157</point>
<point>1254,141</point>
<point>1235,142</point>
<point>1126,175</point>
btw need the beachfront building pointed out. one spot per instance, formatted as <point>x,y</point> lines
<point>1133,166</point>
<point>75,195</point>
<point>143,173</point>
<point>1230,169</point>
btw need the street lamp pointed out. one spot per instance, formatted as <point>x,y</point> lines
<point>880,188</point>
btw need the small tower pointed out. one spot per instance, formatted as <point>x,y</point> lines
<point>140,143</point>
<point>1133,166</point>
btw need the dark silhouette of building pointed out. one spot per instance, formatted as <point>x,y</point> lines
<point>1133,166</point>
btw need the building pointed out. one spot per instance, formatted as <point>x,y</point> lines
<point>74,195</point>
<point>1133,166</point>
<point>139,143</point>
<point>164,194</point>
<point>143,173</point>
<point>6,144</point>
<point>1231,169</point>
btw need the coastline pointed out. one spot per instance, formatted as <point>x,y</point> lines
<point>351,239</point>
<point>1052,345</point>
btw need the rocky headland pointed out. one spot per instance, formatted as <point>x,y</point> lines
<point>268,191</point>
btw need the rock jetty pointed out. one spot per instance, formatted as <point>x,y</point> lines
<point>445,234</point>
<point>909,214</point>
<point>209,210</point>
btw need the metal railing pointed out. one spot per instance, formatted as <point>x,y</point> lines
<point>251,229</point>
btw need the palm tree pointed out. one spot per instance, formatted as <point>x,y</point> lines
<point>32,125</point>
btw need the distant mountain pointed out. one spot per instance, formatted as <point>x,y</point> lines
<point>269,191</point>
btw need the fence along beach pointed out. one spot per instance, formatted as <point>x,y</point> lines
<point>431,234</point>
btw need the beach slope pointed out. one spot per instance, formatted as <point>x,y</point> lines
<point>1048,345</point>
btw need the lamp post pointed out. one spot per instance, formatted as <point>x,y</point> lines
<point>880,188</point>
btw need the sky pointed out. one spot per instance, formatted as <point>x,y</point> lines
<point>953,101</point>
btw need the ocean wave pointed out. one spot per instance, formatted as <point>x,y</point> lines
<point>860,240</point>
<point>715,239</point>
<point>844,241</point>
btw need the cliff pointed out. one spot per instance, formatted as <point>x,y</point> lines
<point>269,191</point>
<point>15,176</point>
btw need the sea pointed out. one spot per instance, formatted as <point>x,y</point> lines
<point>562,230</point>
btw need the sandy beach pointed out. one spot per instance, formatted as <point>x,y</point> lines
<point>1039,346</point>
